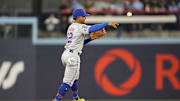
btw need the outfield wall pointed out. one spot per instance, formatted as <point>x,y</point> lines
<point>107,71</point>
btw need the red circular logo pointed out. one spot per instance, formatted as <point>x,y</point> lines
<point>104,82</point>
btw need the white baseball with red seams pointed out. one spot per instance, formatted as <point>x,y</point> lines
<point>129,14</point>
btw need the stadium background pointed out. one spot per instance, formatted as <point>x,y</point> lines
<point>138,61</point>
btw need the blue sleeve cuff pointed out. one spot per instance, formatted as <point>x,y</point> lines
<point>87,41</point>
<point>97,27</point>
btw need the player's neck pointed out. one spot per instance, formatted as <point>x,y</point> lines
<point>77,21</point>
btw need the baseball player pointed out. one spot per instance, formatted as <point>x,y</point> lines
<point>73,49</point>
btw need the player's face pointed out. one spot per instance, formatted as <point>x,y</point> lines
<point>82,19</point>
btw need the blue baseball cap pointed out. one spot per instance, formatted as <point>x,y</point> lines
<point>79,12</point>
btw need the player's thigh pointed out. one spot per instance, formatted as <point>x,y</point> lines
<point>77,76</point>
<point>70,58</point>
<point>71,73</point>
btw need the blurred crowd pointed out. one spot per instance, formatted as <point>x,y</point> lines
<point>55,23</point>
<point>123,5</point>
<point>146,5</point>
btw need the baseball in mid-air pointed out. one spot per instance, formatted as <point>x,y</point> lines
<point>129,14</point>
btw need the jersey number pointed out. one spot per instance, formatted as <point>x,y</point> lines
<point>69,37</point>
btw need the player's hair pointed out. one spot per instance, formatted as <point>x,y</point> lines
<point>74,18</point>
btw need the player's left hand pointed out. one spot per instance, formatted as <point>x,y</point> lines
<point>98,34</point>
<point>113,24</point>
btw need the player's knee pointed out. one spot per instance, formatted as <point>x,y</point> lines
<point>68,83</point>
<point>63,89</point>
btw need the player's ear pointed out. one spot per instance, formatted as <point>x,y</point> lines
<point>78,17</point>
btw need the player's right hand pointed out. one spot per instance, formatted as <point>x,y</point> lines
<point>113,24</point>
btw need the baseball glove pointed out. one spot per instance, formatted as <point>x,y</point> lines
<point>98,34</point>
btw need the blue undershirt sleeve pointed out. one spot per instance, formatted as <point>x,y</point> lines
<point>87,41</point>
<point>97,27</point>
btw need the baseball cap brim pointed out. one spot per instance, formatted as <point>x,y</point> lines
<point>87,15</point>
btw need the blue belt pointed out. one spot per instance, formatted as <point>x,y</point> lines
<point>70,50</point>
